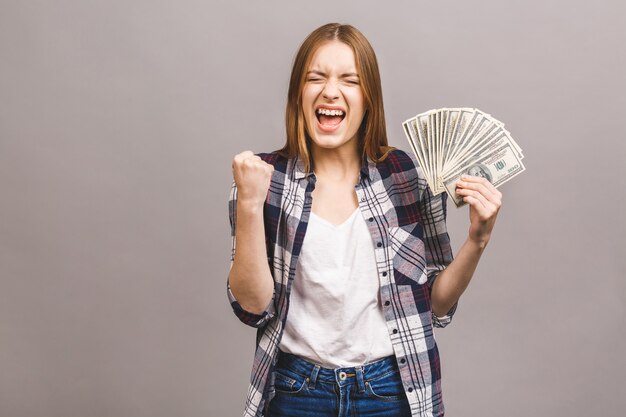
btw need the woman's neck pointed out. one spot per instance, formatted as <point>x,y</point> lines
<point>336,164</point>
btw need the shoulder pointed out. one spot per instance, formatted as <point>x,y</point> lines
<point>401,163</point>
<point>401,168</point>
<point>399,160</point>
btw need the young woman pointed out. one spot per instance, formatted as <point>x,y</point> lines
<point>343,260</point>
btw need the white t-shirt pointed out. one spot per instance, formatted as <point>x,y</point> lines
<point>335,318</point>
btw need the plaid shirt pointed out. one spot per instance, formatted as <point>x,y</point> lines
<point>411,245</point>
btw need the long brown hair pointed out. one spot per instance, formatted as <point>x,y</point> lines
<point>372,134</point>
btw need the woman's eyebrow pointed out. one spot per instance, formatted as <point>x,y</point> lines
<point>323,74</point>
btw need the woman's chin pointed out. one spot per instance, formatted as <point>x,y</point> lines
<point>330,141</point>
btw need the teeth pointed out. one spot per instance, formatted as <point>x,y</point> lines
<point>328,112</point>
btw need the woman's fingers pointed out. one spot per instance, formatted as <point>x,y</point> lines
<point>478,184</point>
<point>241,157</point>
<point>484,201</point>
<point>479,191</point>
<point>481,186</point>
<point>252,176</point>
<point>475,195</point>
<point>476,204</point>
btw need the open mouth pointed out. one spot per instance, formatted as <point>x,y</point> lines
<point>329,118</point>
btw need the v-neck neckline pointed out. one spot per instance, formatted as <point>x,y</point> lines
<point>335,226</point>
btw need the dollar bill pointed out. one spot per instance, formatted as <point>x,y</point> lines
<point>411,130</point>
<point>497,166</point>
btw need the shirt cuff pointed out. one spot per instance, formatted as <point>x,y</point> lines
<point>443,321</point>
<point>247,317</point>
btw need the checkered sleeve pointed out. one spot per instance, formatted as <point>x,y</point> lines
<point>436,241</point>
<point>246,317</point>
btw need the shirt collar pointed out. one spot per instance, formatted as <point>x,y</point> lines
<point>367,165</point>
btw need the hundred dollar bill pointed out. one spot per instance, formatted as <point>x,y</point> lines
<point>432,143</point>
<point>491,137</point>
<point>497,166</point>
<point>443,132</point>
<point>411,130</point>
<point>471,121</point>
<point>460,118</point>
<point>424,131</point>
<point>457,120</point>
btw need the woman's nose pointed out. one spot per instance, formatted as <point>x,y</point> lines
<point>331,90</point>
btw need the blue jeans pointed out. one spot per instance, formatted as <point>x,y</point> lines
<point>304,389</point>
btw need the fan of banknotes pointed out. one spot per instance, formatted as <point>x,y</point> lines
<point>451,142</point>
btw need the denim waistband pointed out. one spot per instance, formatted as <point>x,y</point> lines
<point>342,376</point>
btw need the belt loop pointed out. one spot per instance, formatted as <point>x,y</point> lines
<point>359,379</point>
<point>313,376</point>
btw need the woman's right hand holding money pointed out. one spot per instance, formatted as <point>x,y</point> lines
<point>252,176</point>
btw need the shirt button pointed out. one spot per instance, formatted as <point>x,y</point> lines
<point>410,389</point>
<point>384,273</point>
<point>387,303</point>
<point>362,199</point>
<point>395,331</point>
<point>402,360</point>
<point>379,244</point>
<point>371,219</point>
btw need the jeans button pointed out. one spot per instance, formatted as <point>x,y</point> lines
<point>342,376</point>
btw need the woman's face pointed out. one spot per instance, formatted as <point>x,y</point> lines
<point>332,99</point>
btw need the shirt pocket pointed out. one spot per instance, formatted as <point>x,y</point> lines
<point>408,254</point>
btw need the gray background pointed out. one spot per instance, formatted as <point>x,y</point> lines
<point>118,124</point>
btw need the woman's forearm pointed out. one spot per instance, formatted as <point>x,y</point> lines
<point>250,278</point>
<point>452,281</point>
<point>485,202</point>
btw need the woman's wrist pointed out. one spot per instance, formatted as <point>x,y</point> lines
<point>249,206</point>
<point>477,244</point>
